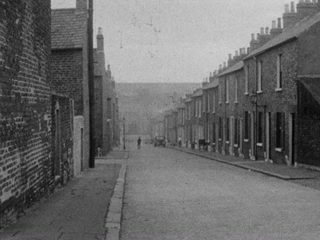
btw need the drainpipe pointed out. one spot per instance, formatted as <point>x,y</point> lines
<point>91,87</point>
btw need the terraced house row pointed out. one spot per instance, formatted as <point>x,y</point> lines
<point>45,102</point>
<point>264,103</point>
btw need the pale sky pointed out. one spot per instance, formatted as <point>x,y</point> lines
<point>176,40</point>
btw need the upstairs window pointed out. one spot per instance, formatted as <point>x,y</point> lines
<point>246,83</point>
<point>236,90</point>
<point>279,72</point>
<point>213,103</point>
<point>227,90</point>
<point>208,102</point>
<point>259,77</point>
<point>220,93</point>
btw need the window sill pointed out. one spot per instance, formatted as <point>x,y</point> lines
<point>227,102</point>
<point>260,144</point>
<point>259,91</point>
<point>279,149</point>
<point>278,89</point>
<point>246,93</point>
<point>220,140</point>
<point>227,142</point>
<point>236,102</point>
<point>236,145</point>
<point>246,140</point>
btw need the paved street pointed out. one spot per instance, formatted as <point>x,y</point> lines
<point>174,195</point>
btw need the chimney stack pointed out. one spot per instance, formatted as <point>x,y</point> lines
<point>100,40</point>
<point>108,71</point>
<point>254,43</point>
<point>82,5</point>
<point>306,8</point>
<point>289,17</point>
<point>276,30</point>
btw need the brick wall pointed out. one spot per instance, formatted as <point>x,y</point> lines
<point>70,76</point>
<point>25,109</point>
<point>98,95</point>
<point>273,101</point>
<point>62,137</point>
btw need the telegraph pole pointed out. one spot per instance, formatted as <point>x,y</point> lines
<point>91,85</point>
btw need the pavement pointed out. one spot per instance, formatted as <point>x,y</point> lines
<point>87,208</point>
<point>279,171</point>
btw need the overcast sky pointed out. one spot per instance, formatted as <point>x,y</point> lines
<point>176,40</point>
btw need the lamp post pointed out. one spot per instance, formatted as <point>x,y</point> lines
<point>124,133</point>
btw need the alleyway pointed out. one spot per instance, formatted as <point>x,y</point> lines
<point>174,195</point>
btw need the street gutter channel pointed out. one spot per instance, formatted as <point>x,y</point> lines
<point>238,164</point>
<point>114,214</point>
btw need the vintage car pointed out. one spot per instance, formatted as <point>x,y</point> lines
<point>159,141</point>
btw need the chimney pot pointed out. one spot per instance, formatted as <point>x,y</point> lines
<point>286,8</point>
<point>274,24</point>
<point>292,7</point>
<point>262,31</point>
<point>230,56</point>
<point>237,53</point>
<point>224,64</point>
<point>248,50</point>
<point>252,36</point>
<point>267,31</point>
<point>99,31</point>
<point>279,22</point>
<point>220,66</point>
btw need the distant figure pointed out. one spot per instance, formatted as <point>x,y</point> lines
<point>179,141</point>
<point>139,142</point>
<point>99,152</point>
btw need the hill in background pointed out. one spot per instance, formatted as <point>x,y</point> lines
<point>139,101</point>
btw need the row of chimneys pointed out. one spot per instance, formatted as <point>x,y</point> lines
<point>305,8</point>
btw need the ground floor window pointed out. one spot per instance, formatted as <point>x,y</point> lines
<point>236,131</point>
<point>280,127</point>
<point>246,125</point>
<point>220,128</point>
<point>260,127</point>
<point>227,129</point>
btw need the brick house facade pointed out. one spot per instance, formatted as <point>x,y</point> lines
<point>69,55</point>
<point>25,106</point>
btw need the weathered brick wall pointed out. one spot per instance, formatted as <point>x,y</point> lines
<point>63,158</point>
<point>70,77</point>
<point>25,109</point>
<point>98,88</point>
<point>274,101</point>
<point>67,77</point>
<point>308,128</point>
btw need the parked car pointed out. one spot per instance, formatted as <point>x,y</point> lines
<point>159,141</point>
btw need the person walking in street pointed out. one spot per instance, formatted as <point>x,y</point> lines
<point>179,141</point>
<point>139,142</point>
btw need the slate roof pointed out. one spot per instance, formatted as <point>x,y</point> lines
<point>236,67</point>
<point>67,28</point>
<point>289,33</point>
<point>313,86</point>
